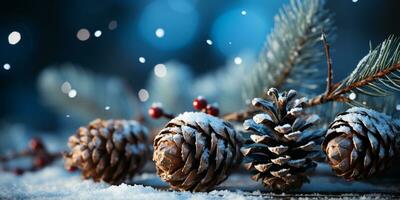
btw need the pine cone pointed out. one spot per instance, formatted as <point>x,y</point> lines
<point>196,151</point>
<point>110,151</point>
<point>281,150</point>
<point>361,142</point>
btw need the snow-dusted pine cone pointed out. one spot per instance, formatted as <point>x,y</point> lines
<point>281,149</point>
<point>108,150</point>
<point>361,142</point>
<point>196,151</point>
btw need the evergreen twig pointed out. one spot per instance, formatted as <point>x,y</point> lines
<point>376,71</point>
<point>290,53</point>
<point>375,75</point>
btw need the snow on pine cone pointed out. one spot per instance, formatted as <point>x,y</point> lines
<point>196,151</point>
<point>361,142</point>
<point>281,148</point>
<point>108,150</point>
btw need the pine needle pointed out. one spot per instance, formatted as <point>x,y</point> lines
<point>378,73</point>
<point>291,53</point>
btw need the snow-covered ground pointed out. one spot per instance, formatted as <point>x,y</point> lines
<point>55,183</point>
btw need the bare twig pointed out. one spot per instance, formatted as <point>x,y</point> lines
<point>329,64</point>
<point>168,116</point>
<point>37,152</point>
<point>240,116</point>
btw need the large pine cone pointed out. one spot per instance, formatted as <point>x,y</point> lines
<point>361,142</point>
<point>281,150</point>
<point>196,151</point>
<point>110,151</point>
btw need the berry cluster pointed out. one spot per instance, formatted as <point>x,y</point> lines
<point>37,151</point>
<point>199,103</point>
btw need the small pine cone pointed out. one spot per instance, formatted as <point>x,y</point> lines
<point>361,142</point>
<point>196,151</point>
<point>110,151</point>
<point>281,149</point>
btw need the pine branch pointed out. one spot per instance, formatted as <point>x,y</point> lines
<point>378,68</point>
<point>94,93</point>
<point>290,53</point>
<point>377,74</point>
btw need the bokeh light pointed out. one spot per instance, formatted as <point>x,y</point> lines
<point>112,25</point>
<point>83,34</point>
<point>160,70</point>
<point>142,59</point>
<point>184,6</point>
<point>7,66</point>
<point>72,93</point>
<point>352,96</point>
<point>160,33</point>
<point>14,37</point>
<point>97,33</point>
<point>143,95</point>
<point>232,33</point>
<point>238,60</point>
<point>66,87</point>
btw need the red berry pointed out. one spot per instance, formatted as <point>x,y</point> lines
<point>36,144</point>
<point>156,112</point>
<point>212,110</point>
<point>72,169</point>
<point>199,103</point>
<point>18,171</point>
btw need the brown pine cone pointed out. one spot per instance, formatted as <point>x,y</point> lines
<point>196,151</point>
<point>361,142</point>
<point>282,148</point>
<point>110,151</point>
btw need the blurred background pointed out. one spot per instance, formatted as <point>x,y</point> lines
<point>64,63</point>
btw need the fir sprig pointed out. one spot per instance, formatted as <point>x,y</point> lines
<point>291,52</point>
<point>377,70</point>
<point>377,74</point>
